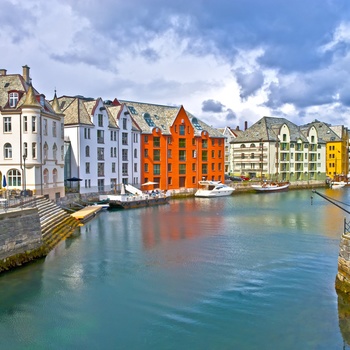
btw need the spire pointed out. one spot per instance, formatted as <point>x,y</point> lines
<point>55,105</point>
<point>30,100</point>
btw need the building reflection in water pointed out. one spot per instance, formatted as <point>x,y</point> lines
<point>344,316</point>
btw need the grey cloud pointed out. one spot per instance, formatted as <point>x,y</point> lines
<point>212,106</point>
<point>231,115</point>
<point>249,82</point>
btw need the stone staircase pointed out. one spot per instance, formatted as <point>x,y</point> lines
<point>56,224</point>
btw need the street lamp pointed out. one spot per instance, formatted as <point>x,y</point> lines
<point>24,175</point>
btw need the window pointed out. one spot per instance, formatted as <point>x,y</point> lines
<point>135,153</point>
<point>113,135</point>
<point>100,153</point>
<point>46,151</point>
<point>204,143</point>
<point>87,168</point>
<point>124,138</point>
<point>25,149</point>
<point>182,155</point>
<point>156,169</point>
<point>124,123</point>
<point>62,131</point>
<point>54,129</point>
<point>125,155</point>
<point>204,169</point>
<point>86,133</point>
<point>113,167</point>
<point>213,142</point>
<point>213,166</point>
<point>13,99</point>
<point>213,154</point>
<point>135,167</point>
<point>100,136</point>
<point>45,127</point>
<point>204,156</point>
<point>100,169</point>
<point>7,151</point>
<point>156,155</point>
<point>156,142</point>
<point>182,130</point>
<point>146,152</point>
<point>14,178</point>
<point>54,177</point>
<point>62,153</point>
<point>87,151</point>
<point>146,138</point>
<point>100,120</point>
<point>25,124</point>
<point>7,124</point>
<point>170,153</point>
<point>34,150</point>
<point>54,152</point>
<point>33,123</point>
<point>46,178</point>
<point>182,169</point>
<point>193,166</point>
<point>146,168</point>
<point>101,185</point>
<point>125,169</point>
<point>182,143</point>
<point>194,154</point>
<point>170,168</point>
<point>219,154</point>
<point>136,138</point>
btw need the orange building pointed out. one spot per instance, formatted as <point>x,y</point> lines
<point>177,149</point>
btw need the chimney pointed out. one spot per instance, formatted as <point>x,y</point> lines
<point>26,74</point>
<point>3,71</point>
<point>237,128</point>
<point>245,125</point>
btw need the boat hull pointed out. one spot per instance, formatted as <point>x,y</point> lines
<point>212,194</point>
<point>270,188</point>
<point>132,203</point>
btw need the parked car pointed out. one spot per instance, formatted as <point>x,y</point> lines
<point>245,178</point>
<point>235,178</point>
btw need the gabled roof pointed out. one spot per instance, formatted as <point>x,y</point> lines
<point>28,95</point>
<point>324,131</point>
<point>148,116</point>
<point>75,110</point>
<point>267,129</point>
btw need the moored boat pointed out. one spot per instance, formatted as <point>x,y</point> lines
<point>136,198</point>
<point>337,184</point>
<point>213,189</point>
<point>271,186</point>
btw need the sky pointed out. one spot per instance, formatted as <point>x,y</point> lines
<point>228,62</point>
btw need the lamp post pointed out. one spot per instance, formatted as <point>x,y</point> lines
<point>24,174</point>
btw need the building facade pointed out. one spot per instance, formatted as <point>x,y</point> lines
<point>102,145</point>
<point>177,149</point>
<point>276,149</point>
<point>32,139</point>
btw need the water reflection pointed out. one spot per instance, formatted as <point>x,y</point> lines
<point>344,316</point>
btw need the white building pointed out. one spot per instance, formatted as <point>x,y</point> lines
<point>32,139</point>
<point>102,144</point>
<point>275,148</point>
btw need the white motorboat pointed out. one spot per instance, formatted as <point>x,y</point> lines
<point>337,184</point>
<point>213,189</point>
<point>271,186</point>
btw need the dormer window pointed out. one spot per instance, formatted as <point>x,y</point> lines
<point>13,99</point>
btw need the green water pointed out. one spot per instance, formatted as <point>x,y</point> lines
<point>250,271</point>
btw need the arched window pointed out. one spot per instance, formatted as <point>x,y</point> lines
<point>242,145</point>
<point>46,178</point>
<point>87,151</point>
<point>46,151</point>
<point>54,177</point>
<point>252,145</point>
<point>54,151</point>
<point>14,177</point>
<point>8,151</point>
<point>135,153</point>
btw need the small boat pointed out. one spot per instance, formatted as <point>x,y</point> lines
<point>135,198</point>
<point>213,189</point>
<point>271,186</point>
<point>337,184</point>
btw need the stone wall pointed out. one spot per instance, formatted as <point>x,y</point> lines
<point>342,281</point>
<point>20,237</point>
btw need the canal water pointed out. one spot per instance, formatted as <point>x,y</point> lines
<point>249,271</point>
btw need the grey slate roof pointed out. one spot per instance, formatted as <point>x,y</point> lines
<point>163,117</point>
<point>324,132</point>
<point>267,129</point>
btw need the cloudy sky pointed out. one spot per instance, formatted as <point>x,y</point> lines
<point>225,61</point>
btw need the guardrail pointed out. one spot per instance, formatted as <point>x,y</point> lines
<point>11,204</point>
